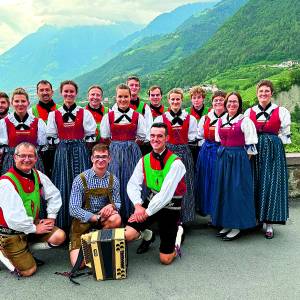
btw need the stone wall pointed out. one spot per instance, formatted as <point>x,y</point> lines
<point>293,161</point>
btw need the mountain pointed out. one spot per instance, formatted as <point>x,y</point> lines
<point>153,53</point>
<point>262,32</point>
<point>59,53</point>
<point>163,24</point>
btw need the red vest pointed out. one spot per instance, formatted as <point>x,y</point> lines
<point>271,126</point>
<point>15,136</point>
<point>70,130</point>
<point>231,136</point>
<point>155,164</point>
<point>178,135</point>
<point>209,131</point>
<point>123,132</point>
<point>27,185</point>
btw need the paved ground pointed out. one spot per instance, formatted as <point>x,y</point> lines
<point>249,268</point>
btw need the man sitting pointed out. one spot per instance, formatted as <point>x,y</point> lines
<point>95,200</point>
<point>21,190</point>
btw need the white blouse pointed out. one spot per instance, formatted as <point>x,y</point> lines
<point>192,134</point>
<point>41,134</point>
<point>105,126</point>
<point>89,124</point>
<point>285,120</point>
<point>247,127</point>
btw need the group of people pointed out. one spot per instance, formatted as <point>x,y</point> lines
<point>136,164</point>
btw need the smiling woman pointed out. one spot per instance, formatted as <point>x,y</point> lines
<point>70,129</point>
<point>20,126</point>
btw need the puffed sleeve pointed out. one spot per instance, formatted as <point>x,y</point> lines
<point>3,133</point>
<point>217,136</point>
<point>105,128</point>
<point>42,133</point>
<point>285,128</point>
<point>51,126</point>
<point>193,132</point>
<point>89,124</point>
<point>141,128</point>
<point>148,121</point>
<point>200,130</point>
<point>250,134</point>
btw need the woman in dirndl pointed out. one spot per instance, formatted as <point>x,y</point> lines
<point>270,169</point>
<point>124,129</point>
<point>70,128</point>
<point>206,162</point>
<point>233,206</point>
<point>95,106</point>
<point>182,129</point>
<point>20,126</point>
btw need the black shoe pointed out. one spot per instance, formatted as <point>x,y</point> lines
<point>222,234</point>
<point>228,239</point>
<point>38,262</point>
<point>145,245</point>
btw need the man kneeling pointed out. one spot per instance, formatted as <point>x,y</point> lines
<point>163,173</point>
<point>95,200</point>
<point>21,189</point>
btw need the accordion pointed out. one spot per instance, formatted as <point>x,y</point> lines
<point>104,251</point>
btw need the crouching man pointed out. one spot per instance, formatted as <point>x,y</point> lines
<point>95,200</point>
<point>21,190</point>
<point>163,173</point>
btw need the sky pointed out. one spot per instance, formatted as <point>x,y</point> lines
<point>19,18</point>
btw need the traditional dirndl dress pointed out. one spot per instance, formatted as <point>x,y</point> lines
<point>233,199</point>
<point>178,143</point>
<point>31,131</point>
<point>71,158</point>
<point>125,154</point>
<point>270,170</point>
<point>205,167</point>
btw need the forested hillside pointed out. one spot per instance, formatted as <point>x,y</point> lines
<point>155,54</point>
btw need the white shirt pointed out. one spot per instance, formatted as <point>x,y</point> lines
<point>285,119</point>
<point>89,124</point>
<point>192,133</point>
<point>148,121</point>
<point>161,199</point>
<point>105,126</point>
<point>41,134</point>
<point>14,211</point>
<point>247,127</point>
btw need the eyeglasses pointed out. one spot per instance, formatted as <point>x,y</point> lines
<point>99,157</point>
<point>24,156</point>
<point>218,100</point>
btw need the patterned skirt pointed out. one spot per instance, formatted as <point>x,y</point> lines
<point>233,201</point>
<point>71,158</point>
<point>124,157</point>
<point>205,177</point>
<point>271,180</point>
<point>188,203</point>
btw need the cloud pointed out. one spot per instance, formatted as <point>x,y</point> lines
<point>19,18</point>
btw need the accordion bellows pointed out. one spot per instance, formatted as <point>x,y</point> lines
<point>105,253</point>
